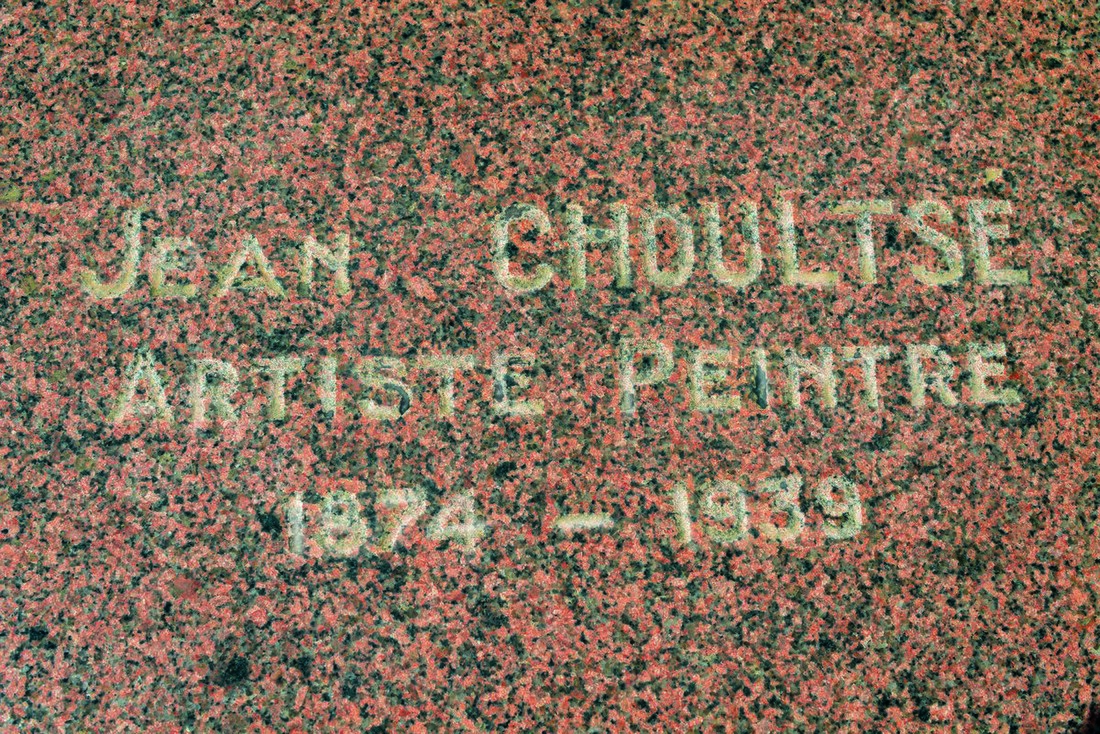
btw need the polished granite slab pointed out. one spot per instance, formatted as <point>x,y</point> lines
<point>572,366</point>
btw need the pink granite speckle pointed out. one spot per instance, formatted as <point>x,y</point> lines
<point>146,582</point>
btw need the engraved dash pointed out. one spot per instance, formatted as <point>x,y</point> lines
<point>584,521</point>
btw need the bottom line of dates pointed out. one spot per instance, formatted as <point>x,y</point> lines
<point>718,511</point>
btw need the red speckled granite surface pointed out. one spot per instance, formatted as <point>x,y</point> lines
<point>150,573</point>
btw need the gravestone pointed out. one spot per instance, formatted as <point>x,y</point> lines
<point>576,366</point>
